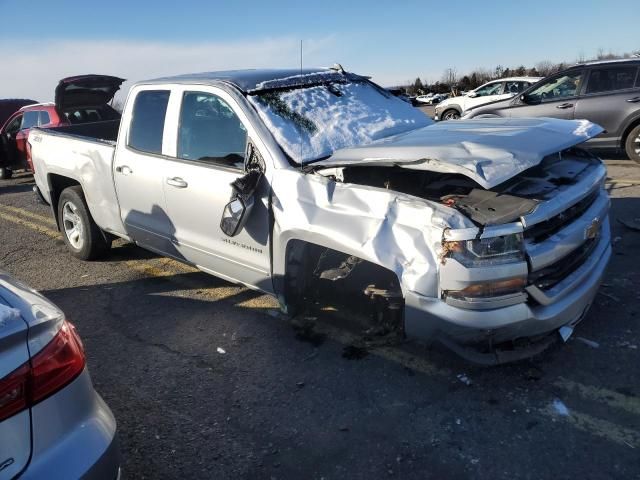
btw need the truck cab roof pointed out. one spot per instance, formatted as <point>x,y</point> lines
<point>244,80</point>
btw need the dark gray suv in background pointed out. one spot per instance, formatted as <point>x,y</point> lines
<point>606,93</point>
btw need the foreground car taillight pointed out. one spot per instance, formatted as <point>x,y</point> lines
<point>54,367</point>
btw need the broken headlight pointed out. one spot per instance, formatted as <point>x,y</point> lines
<point>485,252</point>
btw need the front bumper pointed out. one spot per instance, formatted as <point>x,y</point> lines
<point>74,435</point>
<point>431,318</point>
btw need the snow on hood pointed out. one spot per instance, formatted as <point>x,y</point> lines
<point>488,150</point>
<point>312,121</point>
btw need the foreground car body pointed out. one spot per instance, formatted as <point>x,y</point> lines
<point>459,231</point>
<point>52,422</point>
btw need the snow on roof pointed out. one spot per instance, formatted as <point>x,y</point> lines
<point>311,123</point>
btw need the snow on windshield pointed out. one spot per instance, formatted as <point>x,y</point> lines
<point>311,123</point>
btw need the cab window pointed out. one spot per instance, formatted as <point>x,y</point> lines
<point>557,88</point>
<point>147,122</point>
<point>210,131</point>
<point>610,79</point>
<point>29,119</point>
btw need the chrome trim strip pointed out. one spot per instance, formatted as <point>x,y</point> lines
<point>487,303</point>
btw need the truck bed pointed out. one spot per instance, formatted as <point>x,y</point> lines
<point>84,153</point>
<point>105,132</point>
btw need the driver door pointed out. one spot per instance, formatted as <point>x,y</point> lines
<point>29,119</point>
<point>9,141</point>
<point>209,154</point>
<point>556,97</point>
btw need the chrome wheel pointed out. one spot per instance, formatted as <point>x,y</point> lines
<point>73,226</point>
<point>636,144</point>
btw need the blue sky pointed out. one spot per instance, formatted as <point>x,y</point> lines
<point>392,41</point>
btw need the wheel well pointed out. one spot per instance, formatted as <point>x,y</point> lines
<point>57,183</point>
<point>630,127</point>
<point>452,107</point>
<point>317,276</point>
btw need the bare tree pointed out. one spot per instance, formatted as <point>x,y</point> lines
<point>450,77</point>
<point>545,67</point>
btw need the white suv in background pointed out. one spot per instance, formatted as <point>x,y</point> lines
<point>499,89</point>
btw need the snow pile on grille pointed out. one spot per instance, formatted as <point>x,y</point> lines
<point>311,123</point>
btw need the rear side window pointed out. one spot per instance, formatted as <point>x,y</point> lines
<point>147,123</point>
<point>513,88</point>
<point>29,119</point>
<point>611,79</point>
<point>44,118</point>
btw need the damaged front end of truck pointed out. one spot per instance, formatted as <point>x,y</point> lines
<point>488,235</point>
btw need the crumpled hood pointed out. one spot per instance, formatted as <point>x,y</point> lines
<point>488,150</point>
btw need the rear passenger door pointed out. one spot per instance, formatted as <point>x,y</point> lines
<point>138,171</point>
<point>609,98</point>
<point>210,135</point>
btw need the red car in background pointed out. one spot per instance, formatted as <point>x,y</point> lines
<point>79,99</point>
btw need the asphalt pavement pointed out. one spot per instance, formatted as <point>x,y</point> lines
<point>208,380</point>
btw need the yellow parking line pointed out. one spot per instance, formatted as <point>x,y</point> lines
<point>609,397</point>
<point>25,223</point>
<point>601,428</point>
<point>27,213</point>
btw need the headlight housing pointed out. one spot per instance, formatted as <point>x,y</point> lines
<point>485,252</point>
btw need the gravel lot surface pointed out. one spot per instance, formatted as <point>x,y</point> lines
<point>208,380</point>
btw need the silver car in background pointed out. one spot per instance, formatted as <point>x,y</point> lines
<point>53,424</point>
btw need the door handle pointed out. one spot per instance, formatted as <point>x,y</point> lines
<point>124,169</point>
<point>564,105</point>
<point>177,182</point>
<point>634,100</point>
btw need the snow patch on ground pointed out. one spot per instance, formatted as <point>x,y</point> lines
<point>311,123</point>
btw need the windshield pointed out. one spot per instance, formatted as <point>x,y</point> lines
<point>311,122</point>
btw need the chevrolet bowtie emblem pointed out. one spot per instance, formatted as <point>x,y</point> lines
<point>593,229</point>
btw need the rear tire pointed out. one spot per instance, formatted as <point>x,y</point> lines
<point>5,173</point>
<point>450,114</point>
<point>632,144</point>
<point>82,236</point>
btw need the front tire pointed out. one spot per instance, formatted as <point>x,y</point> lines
<point>632,144</point>
<point>5,173</point>
<point>450,114</point>
<point>82,236</point>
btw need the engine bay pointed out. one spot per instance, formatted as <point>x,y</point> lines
<point>502,204</point>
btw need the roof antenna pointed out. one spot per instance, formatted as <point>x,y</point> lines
<point>301,161</point>
<point>300,57</point>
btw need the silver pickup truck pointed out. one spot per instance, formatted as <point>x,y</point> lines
<point>489,235</point>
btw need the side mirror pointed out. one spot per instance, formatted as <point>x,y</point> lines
<point>235,215</point>
<point>472,94</point>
